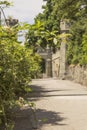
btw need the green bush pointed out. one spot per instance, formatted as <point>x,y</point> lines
<point>17,67</point>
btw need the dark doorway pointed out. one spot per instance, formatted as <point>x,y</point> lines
<point>43,66</point>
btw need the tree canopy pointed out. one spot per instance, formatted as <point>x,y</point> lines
<point>54,12</point>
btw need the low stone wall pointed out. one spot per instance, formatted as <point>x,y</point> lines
<point>77,73</point>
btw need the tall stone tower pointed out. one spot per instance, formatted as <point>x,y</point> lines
<point>64,26</point>
<point>49,62</point>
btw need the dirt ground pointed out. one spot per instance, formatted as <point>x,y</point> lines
<point>60,105</point>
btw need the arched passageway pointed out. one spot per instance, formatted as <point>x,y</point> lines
<point>43,66</point>
<point>46,64</point>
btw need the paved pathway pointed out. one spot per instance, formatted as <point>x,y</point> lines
<point>61,104</point>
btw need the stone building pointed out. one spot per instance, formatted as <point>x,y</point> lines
<point>55,64</point>
<point>11,22</point>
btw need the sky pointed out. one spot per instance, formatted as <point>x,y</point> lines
<point>24,10</point>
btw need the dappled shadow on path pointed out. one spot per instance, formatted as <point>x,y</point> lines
<point>39,91</point>
<point>25,119</point>
<point>49,117</point>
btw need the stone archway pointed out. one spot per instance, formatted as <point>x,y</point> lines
<point>46,55</point>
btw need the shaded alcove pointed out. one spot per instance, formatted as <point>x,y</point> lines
<point>43,66</point>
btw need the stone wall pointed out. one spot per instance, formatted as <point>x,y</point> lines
<point>56,64</point>
<point>77,73</point>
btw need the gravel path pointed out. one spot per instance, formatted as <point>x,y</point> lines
<point>60,104</point>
